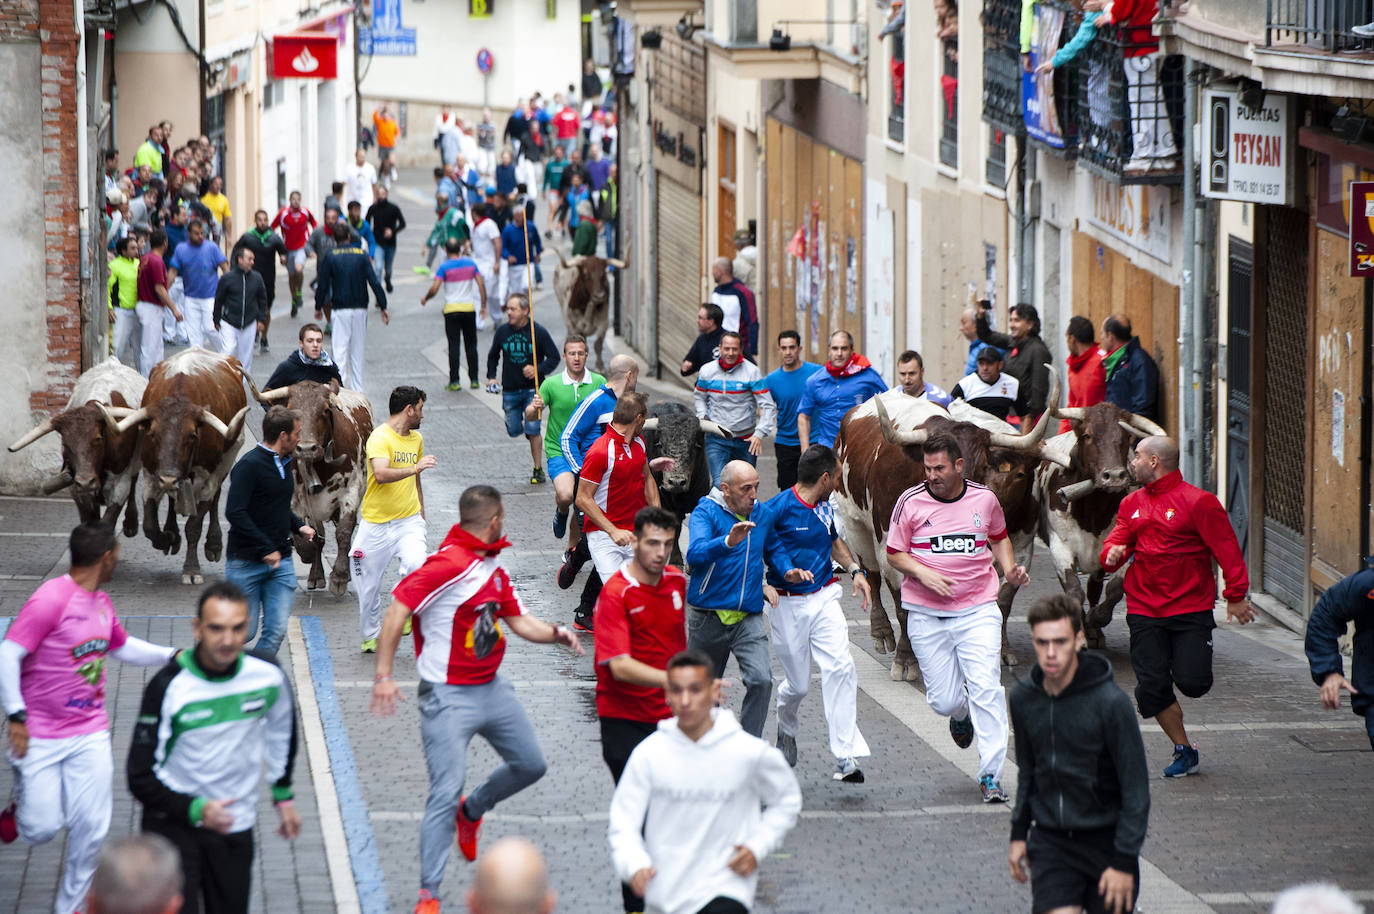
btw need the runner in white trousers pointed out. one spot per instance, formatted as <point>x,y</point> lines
<point>52,684</point>
<point>944,536</point>
<point>392,521</point>
<point>805,618</point>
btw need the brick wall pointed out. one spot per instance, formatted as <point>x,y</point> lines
<point>61,218</point>
<point>18,20</point>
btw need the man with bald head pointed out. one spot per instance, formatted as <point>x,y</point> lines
<point>736,303</point>
<point>1132,376</point>
<point>726,588</point>
<point>511,878</point>
<point>1172,531</point>
<point>137,875</point>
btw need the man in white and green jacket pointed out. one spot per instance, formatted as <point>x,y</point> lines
<point>210,720</point>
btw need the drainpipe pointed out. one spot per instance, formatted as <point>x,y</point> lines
<point>651,196</point>
<point>83,143</point>
<point>1189,344</point>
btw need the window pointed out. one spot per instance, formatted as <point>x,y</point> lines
<point>896,113</point>
<point>947,23</point>
<point>997,158</point>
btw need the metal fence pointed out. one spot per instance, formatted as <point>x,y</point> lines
<point>1002,65</point>
<point>1321,25</point>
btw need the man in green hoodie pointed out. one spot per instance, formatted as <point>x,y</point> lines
<point>268,248</point>
<point>1081,774</point>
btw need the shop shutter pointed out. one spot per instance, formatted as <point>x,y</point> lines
<point>678,259</point>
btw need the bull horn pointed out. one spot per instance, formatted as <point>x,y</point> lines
<point>1136,431</point>
<point>236,424</point>
<point>618,264</point>
<point>576,260</point>
<point>1070,412</point>
<point>1077,490</point>
<point>32,436</point>
<point>1030,439</point>
<point>1056,458</point>
<point>650,425</point>
<point>1147,425</point>
<point>214,422</point>
<point>268,397</point>
<point>119,426</point>
<point>892,435</point>
<point>713,428</point>
<point>57,483</point>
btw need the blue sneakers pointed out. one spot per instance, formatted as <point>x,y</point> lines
<point>992,789</point>
<point>961,731</point>
<point>1185,762</point>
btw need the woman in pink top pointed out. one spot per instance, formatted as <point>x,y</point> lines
<point>52,684</point>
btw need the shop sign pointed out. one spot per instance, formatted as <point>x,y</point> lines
<point>1248,151</point>
<point>1137,214</point>
<point>305,55</point>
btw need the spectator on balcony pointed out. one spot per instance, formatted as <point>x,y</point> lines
<point>1087,31</point>
<point>1364,31</point>
<point>1087,377</point>
<point>1132,376</point>
<point>947,23</point>
<point>1152,134</point>
<point>1027,355</point>
<point>896,24</point>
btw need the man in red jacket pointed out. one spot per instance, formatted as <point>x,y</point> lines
<point>1173,531</point>
<point>1087,378</point>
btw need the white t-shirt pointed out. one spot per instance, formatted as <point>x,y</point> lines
<point>358,181</point>
<point>483,235</point>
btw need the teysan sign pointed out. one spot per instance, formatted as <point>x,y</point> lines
<point>304,56</point>
<point>1248,151</point>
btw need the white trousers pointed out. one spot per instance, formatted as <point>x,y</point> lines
<point>126,336</point>
<point>374,546</point>
<point>67,783</point>
<point>350,338</point>
<point>150,335</point>
<point>606,555</point>
<point>960,658</point>
<point>1151,132</point>
<point>517,278</point>
<point>238,343</point>
<point>200,329</point>
<point>808,626</point>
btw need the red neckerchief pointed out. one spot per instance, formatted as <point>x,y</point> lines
<point>856,364</point>
<point>460,537</point>
<point>732,365</point>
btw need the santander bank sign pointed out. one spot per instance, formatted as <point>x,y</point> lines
<point>305,55</point>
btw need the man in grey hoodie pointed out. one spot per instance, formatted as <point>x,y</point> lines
<point>1081,773</point>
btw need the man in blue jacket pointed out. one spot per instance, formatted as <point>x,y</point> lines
<point>848,380</point>
<point>1132,376</point>
<point>1350,600</point>
<point>806,618</point>
<point>345,274</point>
<point>726,590</point>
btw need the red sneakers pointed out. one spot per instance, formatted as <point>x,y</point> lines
<point>427,904</point>
<point>467,834</point>
<point>9,827</point>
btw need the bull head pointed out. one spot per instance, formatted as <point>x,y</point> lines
<point>230,432</point>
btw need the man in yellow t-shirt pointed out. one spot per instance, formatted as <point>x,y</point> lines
<point>218,204</point>
<point>392,521</point>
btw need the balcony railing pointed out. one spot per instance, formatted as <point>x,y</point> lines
<point>1002,65</point>
<point>1318,25</point>
<point>949,104</point>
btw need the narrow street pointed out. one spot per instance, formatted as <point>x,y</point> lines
<point>1279,798</point>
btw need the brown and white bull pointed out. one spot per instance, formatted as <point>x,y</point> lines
<point>99,463</point>
<point>880,458</point>
<point>583,290</point>
<point>192,420</point>
<point>1080,502</point>
<point>330,469</point>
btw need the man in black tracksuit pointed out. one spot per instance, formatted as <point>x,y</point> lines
<point>240,308</point>
<point>1349,600</point>
<point>1082,791</point>
<point>387,222</point>
<point>345,274</point>
<point>267,247</point>
<point>1027,354</point>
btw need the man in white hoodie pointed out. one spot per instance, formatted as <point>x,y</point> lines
<point>701,802</point>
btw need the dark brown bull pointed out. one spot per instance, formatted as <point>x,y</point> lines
<point>879,461</point>
<point>673,430</point>
<point>192,419</point>
<point>583,290</point>
<point>1080,502</point>
<point>330,470</point>
<point>98,462</point>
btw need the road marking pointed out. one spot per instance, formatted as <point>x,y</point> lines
<point>49,535</point>
<point>369,878</point>
<point>908,705</point>
<point>331,820</point>
<point>396,815</point>
<point>1267,898</point>
<point>518,683</point>
<point>46,500</point>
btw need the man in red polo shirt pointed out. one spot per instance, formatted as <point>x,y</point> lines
<point>460,596</point>
<point>1172,531</point>
<point>639,626</point>
<point>615,484</point>
<point>295,223</point>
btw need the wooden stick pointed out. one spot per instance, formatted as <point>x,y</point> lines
<point>529,297</point>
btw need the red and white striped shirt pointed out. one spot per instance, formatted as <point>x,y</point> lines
<point>617,468</point>
<point>457,596</point>
<point>952,538</point>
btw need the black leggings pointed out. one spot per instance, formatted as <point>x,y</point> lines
<point>722,905</point>
<point>217,867</point>
<point>461,329</point>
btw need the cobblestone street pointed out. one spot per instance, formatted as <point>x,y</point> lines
<point>1279,799</point>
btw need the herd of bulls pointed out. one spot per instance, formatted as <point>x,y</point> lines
<point>184,428</point>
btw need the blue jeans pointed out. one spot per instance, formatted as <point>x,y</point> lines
<point>383,259</point>
<point>271,592</point>
<point>513,402</point>
<point>720,451</point>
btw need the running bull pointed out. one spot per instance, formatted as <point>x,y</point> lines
<point>1080,502</point>
<point>880,458</point>
<point>99,462</point>
<point>583,290</point>
<point>192,422</point>
<point>331,472</point>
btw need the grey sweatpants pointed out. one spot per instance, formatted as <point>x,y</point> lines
<point>748,641</point>
<point>450,716</point>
